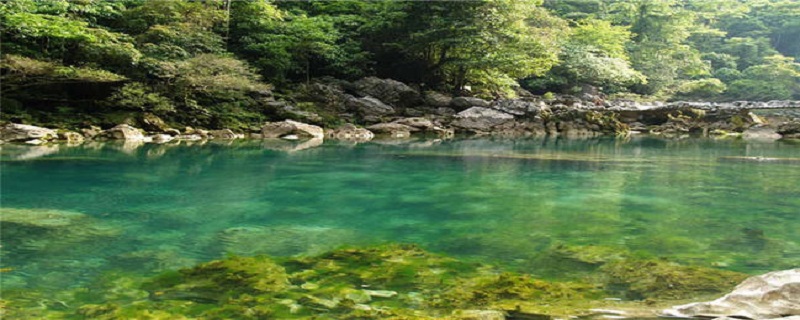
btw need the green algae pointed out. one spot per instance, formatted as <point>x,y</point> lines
<point>384,282</point>
<point>660,279</point>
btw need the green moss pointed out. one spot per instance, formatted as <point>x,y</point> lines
<point>385,282</point>
<point>659,279</point>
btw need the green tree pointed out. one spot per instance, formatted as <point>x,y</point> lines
<point>777,79</point>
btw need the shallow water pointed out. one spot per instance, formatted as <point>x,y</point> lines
<point>503,202</point>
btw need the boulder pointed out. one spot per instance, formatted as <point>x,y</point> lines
<point>71,137</point>
<point>761,132</point>
<point>91,132</point>
<point>350,132</point>
<point>436,100</point>
<point>790,130</point>
<point>463,103</point>
<point>162,138</point>
<point>24,132</point>
<point>225,134</point>
<point>286,110</point>
<point>517,107</point>
<point>153,123</point>
<point>369,107</point>
<point>480,119</point>
<point>392,92</point>
<point>391,128</point>
<point>288,127</point>
<point>123,132</point>
<point>419,123</point>
<point>772,295</point>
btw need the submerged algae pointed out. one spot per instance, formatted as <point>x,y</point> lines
<point>390,281</point>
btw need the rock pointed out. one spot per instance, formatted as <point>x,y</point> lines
<point>286,110</point>
<point>760,132</point>
<point>124,132</point>
<point>290,137</point>
<point>436,100</point>
<point>161,138</point>
<point>225,134</point>
<point>153,123</point>
<point>91,132</point>
<point>444,111</point>
<point>350,132</point>
<point>772,295</point>
<point>381,293</point>
<point>395,130</point>
<point>790,130</point>
<point>416,122</point>
<point>172,132</point>
<point>71,137</point>
<point>479,315</point>
<point>189,137</point>
<point>517,107</point>
<point>35,142</point>
<point>480,119</point>
<point>369,107</point>
<point>463,103</point>
<point>392,92</point>
<point>24,132</point>
<point>287,127</point>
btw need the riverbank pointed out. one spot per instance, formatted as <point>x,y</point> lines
<point>372,107</point>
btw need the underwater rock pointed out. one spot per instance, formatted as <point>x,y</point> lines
<point>283,240</point>
<point>772,295</point>
<point>479,315</point>
<point>659,279</point>
<point>49,233</point>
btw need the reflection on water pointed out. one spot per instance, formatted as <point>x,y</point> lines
<point>505,202</point>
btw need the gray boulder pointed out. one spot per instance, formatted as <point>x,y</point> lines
<point>416,122</point>
<point>24,132</point>
<point>463,103</point>
<point>760,132</point>
<point>224,134</point>
<point>436,100</point>
<point>391,128</point>
<point>517,107</point>
<point>392,92</point>
<point>289,127</point>
<point>480,119</point>
<point>124,132</point>
<point>369,107</point>
<point>772,295</point>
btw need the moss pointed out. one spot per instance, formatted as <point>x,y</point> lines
<point>659,279</point>
<point>385,282</point>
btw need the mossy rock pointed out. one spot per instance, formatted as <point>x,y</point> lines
<point>664,280</point>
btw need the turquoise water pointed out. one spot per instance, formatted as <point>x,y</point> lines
<point>504,202</point>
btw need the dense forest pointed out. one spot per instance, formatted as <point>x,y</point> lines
<point>217,62</point>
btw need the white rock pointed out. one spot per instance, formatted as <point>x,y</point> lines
<point>772,295</point>
<point>24,132</point>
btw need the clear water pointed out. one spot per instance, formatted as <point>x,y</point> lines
<point>502,202</point>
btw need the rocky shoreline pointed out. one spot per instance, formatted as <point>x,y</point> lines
<point>374,108</point>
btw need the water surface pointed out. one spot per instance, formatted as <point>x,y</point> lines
<point>503,202</point>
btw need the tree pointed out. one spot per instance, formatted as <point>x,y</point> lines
<point>777,79</point>
<point>481,43</point>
